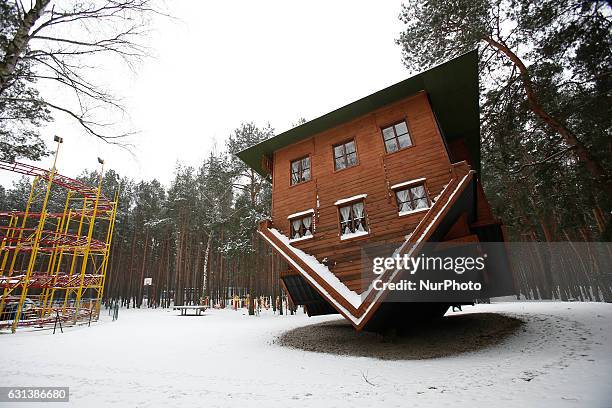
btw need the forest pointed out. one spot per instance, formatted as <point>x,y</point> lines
<point>195,238</point>
<point>546,153</point>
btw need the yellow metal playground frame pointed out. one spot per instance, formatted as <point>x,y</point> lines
<point>63,265</point>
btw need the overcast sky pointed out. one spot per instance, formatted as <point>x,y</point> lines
<point>221,63</point>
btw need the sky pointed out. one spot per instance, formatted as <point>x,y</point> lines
<point>217,64</point>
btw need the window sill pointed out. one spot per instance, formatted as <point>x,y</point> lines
<point>301,213</point>
<point>408,183</point>
<point>350,200</point>
<point>346,168</point>
<point>301,183</point>
<point>397,151</point>
<point>354,235</point>
<point>405,213</point>
<point>301,238</point>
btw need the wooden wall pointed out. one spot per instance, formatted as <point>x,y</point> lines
<point>373,176</point>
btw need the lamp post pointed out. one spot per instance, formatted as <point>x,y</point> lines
<point>92,220</point>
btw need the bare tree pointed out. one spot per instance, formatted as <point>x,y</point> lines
<point>62,42</point>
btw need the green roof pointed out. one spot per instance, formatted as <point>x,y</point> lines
<point>453,93</point>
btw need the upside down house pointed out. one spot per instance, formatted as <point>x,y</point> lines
<point>398,167</point>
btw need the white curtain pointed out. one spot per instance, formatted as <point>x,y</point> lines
<point>419,193</point>
<point>421,203</point>
<point>296,228</point>
<point>402,197</point>
<point>344,214</point>
<point>307,222</point>
<point>358,210</point>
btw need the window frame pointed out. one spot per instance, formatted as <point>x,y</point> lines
<point>395,136</point>
<point>301,170</point>
<point>411,198</point>
<point>345,155</point>
<point>302,227</point>
<point>366,220</point>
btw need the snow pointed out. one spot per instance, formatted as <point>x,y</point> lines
<point>414,245</point>
<point>332,280</point>
<point>353,235</point>
<point>418,210</point>
<point>302,238</point>
<point>349,199</point>
<point>352,297</point>
<point>155,358</point>
<point>299,214</point>
<point>440,193</point>
<point>407,183</point>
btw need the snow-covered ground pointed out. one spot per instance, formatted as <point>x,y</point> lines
<point>151,358</point>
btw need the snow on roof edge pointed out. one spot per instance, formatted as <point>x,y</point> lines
<point>418,241</point>
<point>332,280</point>
<point>364,295</point>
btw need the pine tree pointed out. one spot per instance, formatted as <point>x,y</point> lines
<point>545,78</point>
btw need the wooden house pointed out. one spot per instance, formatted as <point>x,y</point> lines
<point>400,165</point>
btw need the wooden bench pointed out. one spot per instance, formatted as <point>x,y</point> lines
<point>197,309</point>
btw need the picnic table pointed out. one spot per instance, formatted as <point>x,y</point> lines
<point>184,309</point>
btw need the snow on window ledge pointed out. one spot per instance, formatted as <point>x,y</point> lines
<point>403,213</point>
<point>302,238</point>
<point>354,235</point>
<point>407,183</point>
<point>299,214</point>
<point>350,199</point>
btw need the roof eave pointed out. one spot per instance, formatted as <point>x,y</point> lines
<point>453,92</point>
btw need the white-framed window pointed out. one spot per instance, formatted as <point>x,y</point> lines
<point>412,198</point>
<point>353,219</point>
<point>301,227</point>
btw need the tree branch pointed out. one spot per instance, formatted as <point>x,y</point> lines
<point>544,160</point>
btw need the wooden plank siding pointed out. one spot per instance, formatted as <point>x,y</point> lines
<point>375,172</point>
<point>360,314</point>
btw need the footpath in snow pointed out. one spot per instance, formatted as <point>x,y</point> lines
<point>155,358</point>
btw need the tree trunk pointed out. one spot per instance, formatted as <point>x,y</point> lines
<point>19,44</point>
<point>205,267</point>
<point>130,279</point>
<point>584,156</point>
